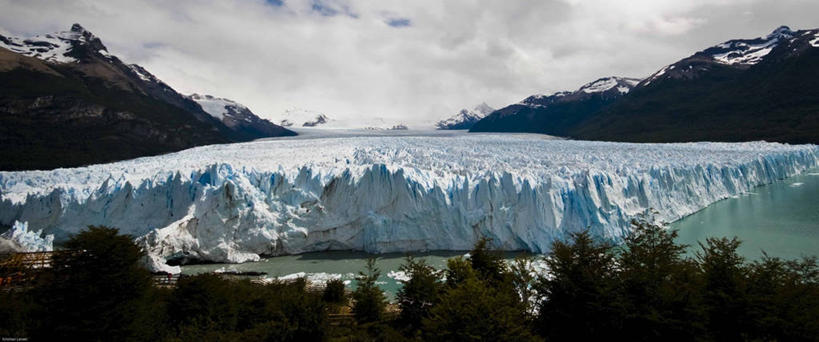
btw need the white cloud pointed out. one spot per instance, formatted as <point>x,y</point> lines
<point>342,57</point>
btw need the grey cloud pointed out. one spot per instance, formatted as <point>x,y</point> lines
<point>340,57</point>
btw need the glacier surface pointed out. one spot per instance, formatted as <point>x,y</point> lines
<point>233,203</point>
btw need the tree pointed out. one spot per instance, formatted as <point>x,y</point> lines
<point>334,292</point>
<point>578,298</point>
<point>369,299</point>
<point>783,299</point>
<point>209,307</point>
<point>205,302</point>
<point>659,287</point>
<point>457,271</point>
<point>488,263</point>
<point>93,289</point>
<point>523,277</point>
<point>475,310</point>
<point>725,288</point>
<point>419,293</point>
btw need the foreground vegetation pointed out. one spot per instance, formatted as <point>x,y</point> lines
<point>645,289</point>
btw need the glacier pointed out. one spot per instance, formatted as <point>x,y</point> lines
<point>389,193</point>
<point>19,239</point>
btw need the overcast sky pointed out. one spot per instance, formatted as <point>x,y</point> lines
<point>408,60</point>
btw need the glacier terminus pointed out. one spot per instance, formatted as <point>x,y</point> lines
<point>388,193</point>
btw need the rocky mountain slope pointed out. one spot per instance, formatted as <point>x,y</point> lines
<point>236,116</point>
<point>739,90</point>
<point>465,118</point>
<point>556,113</point>
<point>65,101</point>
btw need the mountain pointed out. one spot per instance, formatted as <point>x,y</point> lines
<point>237,117</point>
<point>739,54</point>
<point>66,101</point>
<point>304,118</point>
<point>297,117</point>
<point>740,90</point>
<point>556,113</point>
<point>465,118</point>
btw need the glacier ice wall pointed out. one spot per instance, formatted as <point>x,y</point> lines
<point>19,239</point>
<point>233,203</point>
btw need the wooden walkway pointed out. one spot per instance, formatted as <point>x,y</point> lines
<point>18,269</point>
<point>21,269</point>
<point>165,279</point>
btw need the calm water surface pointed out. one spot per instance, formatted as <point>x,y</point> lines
<point>781,219</point>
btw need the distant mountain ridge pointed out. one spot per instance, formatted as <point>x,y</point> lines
<point>465,118</point>
<point>65,101</point>
<point>555,113</point>
<point>739,90</point>
<point>297,117</point>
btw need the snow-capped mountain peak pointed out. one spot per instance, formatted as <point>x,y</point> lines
<point>740,53</point>
<point>483,108</point>
<point>748,51</point>
<point>465,118</point>
<point>781,32</point>
<point>534,100</point>
<point>606,86</point>
<point>58,47</point>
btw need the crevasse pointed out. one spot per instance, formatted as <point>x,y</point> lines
<point>233,203</point>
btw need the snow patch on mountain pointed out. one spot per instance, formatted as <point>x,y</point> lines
<point>538,100</point>
<point>141,73</point>
<point>612,85</point>
<point>658,74</point>
<point>604,84</point>
<point>234,203</point>
<point>749,51</point>
<point>216,106</point>
<point>815,41</point>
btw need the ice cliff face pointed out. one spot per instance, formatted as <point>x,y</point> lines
<point>233,203</point>
<point>20,239</point>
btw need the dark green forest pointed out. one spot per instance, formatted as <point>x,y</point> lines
<point>647,288</point>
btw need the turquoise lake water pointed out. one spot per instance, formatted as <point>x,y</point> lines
<point>781,218</point>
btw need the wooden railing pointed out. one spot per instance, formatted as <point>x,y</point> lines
<point>165,279</point>
<point>17,269</point>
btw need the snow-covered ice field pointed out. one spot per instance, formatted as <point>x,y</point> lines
<point>389,191</point>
